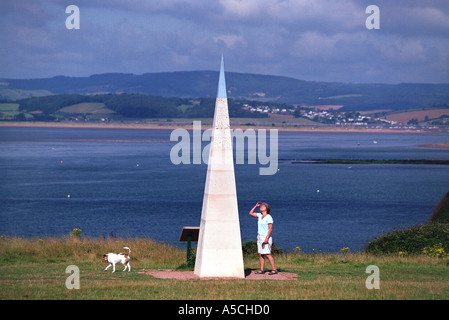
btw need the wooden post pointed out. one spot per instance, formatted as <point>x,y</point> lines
<point>189,246</point>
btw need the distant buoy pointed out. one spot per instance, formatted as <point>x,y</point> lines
<point>138,165</point>
<point>318,190</point>
<point>68,196</point>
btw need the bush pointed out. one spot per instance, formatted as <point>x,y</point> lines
<point>411,240</point>
<point>250,247</point>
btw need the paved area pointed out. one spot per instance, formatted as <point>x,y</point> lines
<point>187,275</point>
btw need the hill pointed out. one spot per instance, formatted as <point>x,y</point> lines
<point>117,107</point>
<point>441,212</point>
<point>241,86</point>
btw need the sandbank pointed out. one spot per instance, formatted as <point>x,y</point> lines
<point>435,145</point>
<point>188,126</point>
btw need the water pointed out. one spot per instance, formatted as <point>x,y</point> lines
<point>115,180</point>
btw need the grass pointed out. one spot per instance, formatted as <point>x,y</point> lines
<point>86,108</point>
<point>417,114</point>
<point>9,107</point>
<point>35,269</point>
<point>9,111</point>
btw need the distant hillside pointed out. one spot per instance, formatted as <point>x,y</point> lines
<point>203,84</point>
<point>117,107</point>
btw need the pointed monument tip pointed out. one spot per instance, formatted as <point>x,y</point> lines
<point>222,82</point>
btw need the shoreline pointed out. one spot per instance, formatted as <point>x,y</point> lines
<point>373,161</point>
<point>168,126</point>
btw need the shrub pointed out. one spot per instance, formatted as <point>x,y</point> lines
<point>250,247</point>
<point>411,240</point>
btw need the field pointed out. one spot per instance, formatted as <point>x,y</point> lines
<point>8,110</point>
<point>9,107</point>
<point>421,115</point>
<point>9,93</point>
<point>36,269</point>
<point>86,108</point>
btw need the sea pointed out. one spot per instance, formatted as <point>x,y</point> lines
<point>122,182</point>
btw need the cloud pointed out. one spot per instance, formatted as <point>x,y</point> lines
<point>416,21</point>
<point>300,15</point>
<point>312,40</point>
<point>231,40</point>
<point>403,51</point>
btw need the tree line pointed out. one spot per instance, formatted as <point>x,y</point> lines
<point>134,106</point>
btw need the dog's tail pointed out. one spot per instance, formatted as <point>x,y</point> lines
<point>129,250</point>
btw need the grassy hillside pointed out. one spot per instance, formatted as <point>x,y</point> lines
<point>10,111</point>
<point>413,240</point>
<point>139,106</point>
<point>420,115</point>
<point>428,239</point>
<point>122,106</point>
<point>243,86</point>
<point>87,108</point>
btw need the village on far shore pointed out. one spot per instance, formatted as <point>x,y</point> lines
<point>434,118</point>
<point>250,113</point>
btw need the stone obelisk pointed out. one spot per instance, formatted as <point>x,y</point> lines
<point>219,251</point>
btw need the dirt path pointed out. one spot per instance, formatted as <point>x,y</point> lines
<point>187,275</point>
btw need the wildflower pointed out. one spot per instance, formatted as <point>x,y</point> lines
<point>297,250</point>
<point>436,250</point>
<point>76,232</point>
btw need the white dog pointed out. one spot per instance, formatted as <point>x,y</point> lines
<point>114,258</point>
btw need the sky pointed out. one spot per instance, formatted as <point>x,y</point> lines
<point>319,40</point>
